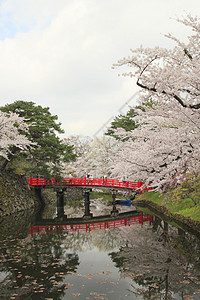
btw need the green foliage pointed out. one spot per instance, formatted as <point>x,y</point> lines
<point>189,188</point>
<point>122,121</point>
<point>47,158</point>
<point>127,121</point>
<point>192,212</point>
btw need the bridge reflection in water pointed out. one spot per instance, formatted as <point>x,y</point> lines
<point>95,223</point>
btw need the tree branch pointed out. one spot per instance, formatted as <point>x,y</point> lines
<point>177,98</point>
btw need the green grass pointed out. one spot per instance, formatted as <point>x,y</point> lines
<point>193,212</point>
<point>184,207</point>
<point>104,195</point>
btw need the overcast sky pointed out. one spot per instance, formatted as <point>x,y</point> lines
<point>60,53</point>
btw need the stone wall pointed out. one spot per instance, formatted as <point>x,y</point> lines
<point>15,194</point>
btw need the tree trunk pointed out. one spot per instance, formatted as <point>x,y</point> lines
<point>6,161</point>
<point>3,165</point>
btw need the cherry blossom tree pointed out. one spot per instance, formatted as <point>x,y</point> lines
<point>11,126</point>
<point>47,159</point>
<point>103,149</point>
<point>94,156</point>
<point>169,74</point>
<point>80,143</point>
<point>165,145</point>
<point>81,148</point>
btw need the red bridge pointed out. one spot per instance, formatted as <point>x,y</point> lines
<point>86,182</point>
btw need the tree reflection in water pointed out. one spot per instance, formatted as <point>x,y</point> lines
<point>159,267</point>
<point>34,265</point>
<point>132,262</point>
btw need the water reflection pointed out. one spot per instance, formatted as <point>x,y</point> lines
<point>156,267</point>
<point>94,223</point>
<point>133,261</point>
<point>35,265</point>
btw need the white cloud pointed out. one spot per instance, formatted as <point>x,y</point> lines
<point>59,53</point>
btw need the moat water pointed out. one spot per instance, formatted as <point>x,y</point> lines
<point>131,260</point>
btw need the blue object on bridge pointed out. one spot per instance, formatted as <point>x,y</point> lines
<point>123,202</point>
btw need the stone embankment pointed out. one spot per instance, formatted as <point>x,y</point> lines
<point>15,194</point>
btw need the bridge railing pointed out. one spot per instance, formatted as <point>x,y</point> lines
<point>83,181</point>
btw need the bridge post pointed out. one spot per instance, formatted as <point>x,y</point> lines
<point>39,194</point>
<point>87,214</point>
<point>165,227</point>
<point>114,211</point>
<point>60,204</point>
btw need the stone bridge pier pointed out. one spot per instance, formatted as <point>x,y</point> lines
<point>87,214</point>
<point>60,204</point>
<point>114,211</point>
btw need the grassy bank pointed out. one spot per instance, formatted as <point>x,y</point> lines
<point>104,195</point>
<point>184,207</point>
